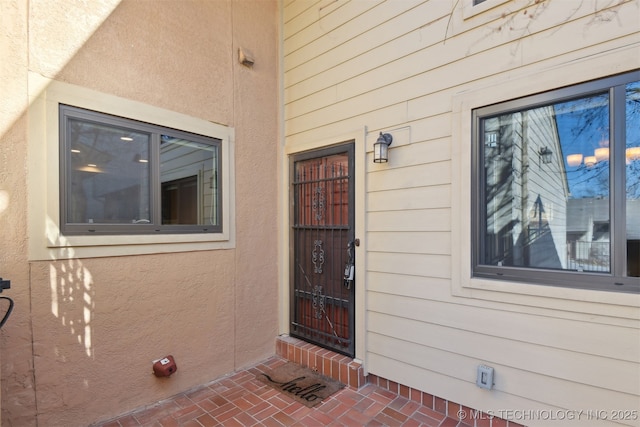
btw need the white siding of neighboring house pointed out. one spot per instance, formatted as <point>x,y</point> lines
<point>528,182</point>
<point>406,67</point>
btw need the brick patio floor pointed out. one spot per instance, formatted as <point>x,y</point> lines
<point>242,400</point>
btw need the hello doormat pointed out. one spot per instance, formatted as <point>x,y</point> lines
<point>301,384</point>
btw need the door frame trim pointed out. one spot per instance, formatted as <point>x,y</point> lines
<point>358,138</point>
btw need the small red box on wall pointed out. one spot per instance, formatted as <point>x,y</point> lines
<point>164,367</point>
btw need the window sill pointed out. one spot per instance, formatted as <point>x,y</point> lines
<point>514,292</point>
<point>101,246</point>
<point>597,307</point>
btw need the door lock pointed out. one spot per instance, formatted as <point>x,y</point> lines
<point>349,273</point>
<point>350,268</point>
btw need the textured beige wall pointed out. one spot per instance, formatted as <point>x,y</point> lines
<point>79,345</point>
<point>15,343</point>
<point>256,179</point>
<point>98,324</point>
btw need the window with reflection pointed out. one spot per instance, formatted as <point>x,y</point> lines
<point>557,193</point>
<point>122,176</point>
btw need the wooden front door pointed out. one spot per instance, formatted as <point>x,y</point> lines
<point>322,248</point>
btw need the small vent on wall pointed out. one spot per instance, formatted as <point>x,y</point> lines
<point>245,58</point>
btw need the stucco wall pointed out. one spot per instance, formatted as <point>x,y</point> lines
<point>15,350</point>
<point>79,345</point>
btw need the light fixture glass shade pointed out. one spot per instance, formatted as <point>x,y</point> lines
<point>590,161</point>
<point>633,153</point>
<point>574,160</point>
<point>380,152</point>
<point>381,148</point>
<point>601,154</point>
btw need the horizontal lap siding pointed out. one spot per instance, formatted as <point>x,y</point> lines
<point>523,388</point>
<point>437,196</point>
<point>410,220</point>
<point>385,65</point>
<point>544,331</point>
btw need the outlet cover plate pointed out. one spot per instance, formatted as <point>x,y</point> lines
<point>484,377</point>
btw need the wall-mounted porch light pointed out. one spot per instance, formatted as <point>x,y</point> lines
<point>546,155</point>
<point>381,148</point>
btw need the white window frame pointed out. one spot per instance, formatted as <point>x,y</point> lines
<point>45,238</point>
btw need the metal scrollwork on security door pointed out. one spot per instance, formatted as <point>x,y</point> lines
<point>318,301</point>
<point>317,203</point>
<point>317,256</point>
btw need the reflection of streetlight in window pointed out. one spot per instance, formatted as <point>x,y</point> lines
<point>590,161</point>
<point>601,154</point>
<point>632,153</point>
<point>574,160</point>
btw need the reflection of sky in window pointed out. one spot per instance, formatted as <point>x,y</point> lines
<point>633,139</point>
<point>583,126</point>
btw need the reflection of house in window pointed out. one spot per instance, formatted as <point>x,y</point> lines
<point>633,257</point>
<point>633,237</point>
<point>180,201</point>
<point>189,176</point>
<point>601,231</point>
<point>588,234</point>
<point>546,195</point>
<point>525,196</point>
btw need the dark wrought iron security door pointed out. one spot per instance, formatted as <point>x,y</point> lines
<point>323,252</point>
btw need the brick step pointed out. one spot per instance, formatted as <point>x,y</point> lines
<point>326,362</point>
<point>350,372</point>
